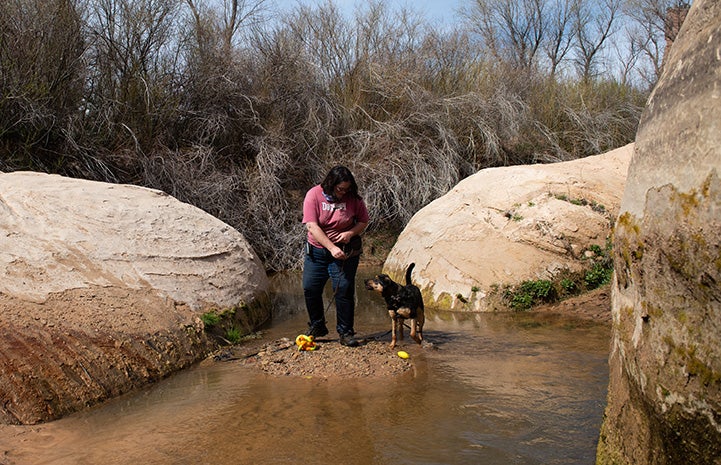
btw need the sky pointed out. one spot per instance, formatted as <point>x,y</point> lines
<point>443,11</point>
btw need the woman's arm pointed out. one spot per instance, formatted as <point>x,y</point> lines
<point>356,230</point>
<point>320,236</point>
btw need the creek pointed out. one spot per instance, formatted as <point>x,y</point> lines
<point>517,388</point>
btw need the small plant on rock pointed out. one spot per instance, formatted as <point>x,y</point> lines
<point>210,319</point>
<point>568,286</point>
<point>531,293</point>
<point>596,249</point>
<point>597,276</point>
<point>233,335</point>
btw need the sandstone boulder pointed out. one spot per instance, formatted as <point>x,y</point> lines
<point>102,287</point>
<point>664,402</point>
<point>503,226</point>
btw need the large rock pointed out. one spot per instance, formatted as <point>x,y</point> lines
<point>101,289</point>
<point>503,226</point>
<point>664,401</point>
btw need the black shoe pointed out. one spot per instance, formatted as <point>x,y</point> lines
<point>317,331</point>
<point>348,340</point>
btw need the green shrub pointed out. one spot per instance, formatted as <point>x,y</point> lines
<point>598,207</point>
<point>522,301</point>
<point>568,286</point>
<point>596,249</point>
<point>597,276</point>
<point>210,319</point>
<point>233,335</point>
<point>531,293</point>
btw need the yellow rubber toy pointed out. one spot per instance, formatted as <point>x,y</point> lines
<point>305,342</point>
<point>403,354</point>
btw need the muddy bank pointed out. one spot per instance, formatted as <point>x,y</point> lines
<point>330,360</point>
<point>84,346</point>
<point>594,305</point>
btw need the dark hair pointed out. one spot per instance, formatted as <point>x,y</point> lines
<point>337,175</point>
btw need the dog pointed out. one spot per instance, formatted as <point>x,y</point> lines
<point>403,302</point>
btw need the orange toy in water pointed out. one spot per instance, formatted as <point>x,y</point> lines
<point>305,342</point>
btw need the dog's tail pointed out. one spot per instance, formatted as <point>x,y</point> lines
<point>408,273</point>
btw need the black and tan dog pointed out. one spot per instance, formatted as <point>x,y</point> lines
<point>403,302</point>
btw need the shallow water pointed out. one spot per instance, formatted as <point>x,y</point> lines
<point>494,389</point>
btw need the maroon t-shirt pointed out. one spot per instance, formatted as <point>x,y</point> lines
<point>332,217</point>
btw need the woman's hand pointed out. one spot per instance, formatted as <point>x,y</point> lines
<point>337,253</point>
<point>320,236</point>
<point>345,237</point>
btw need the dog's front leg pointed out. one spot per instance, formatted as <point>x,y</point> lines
<point>394,322</point>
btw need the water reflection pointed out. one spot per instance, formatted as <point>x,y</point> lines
<point>497,389</point>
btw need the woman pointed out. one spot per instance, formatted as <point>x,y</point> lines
<point>333,214</point>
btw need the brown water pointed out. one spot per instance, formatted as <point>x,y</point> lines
<point>496,389</point>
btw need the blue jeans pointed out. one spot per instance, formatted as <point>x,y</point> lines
<point>319,265</point>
